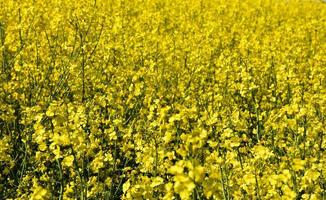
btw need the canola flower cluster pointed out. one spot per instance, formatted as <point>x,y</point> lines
<point>162,99</point>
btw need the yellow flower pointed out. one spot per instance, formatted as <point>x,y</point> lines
<point>126,186</point>
<point>97,163</point>
<point>311,176</point>
<point>157,181</point>
<point>39,193</point>
<point>197,173</point>
<point>168,137</point>
<point>262,152</point>
<point>183,186</point>
<point>68,161</point>
<point>298,164</point>
<point>177,169</point>
<point>288,193</point>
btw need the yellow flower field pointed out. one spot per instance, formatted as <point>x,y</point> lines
<point>163,99</point>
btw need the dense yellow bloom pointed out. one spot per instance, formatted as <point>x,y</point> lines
<point>162,99</point>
